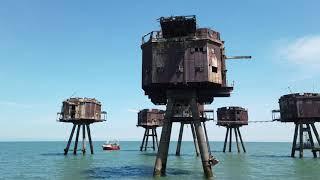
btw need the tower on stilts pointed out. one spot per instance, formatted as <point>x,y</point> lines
<point>303,111</point>
<point>232,118</point>
<point>183,66</point>
<point>150,119</point>
<point>81,112</point>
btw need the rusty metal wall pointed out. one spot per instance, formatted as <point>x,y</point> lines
<point>185,62</point>
<point>232,116</point>
<point>150,117</point>
<point>300,107</point>
<point>81,108</point>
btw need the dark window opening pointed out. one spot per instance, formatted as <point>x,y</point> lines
<point>214,69</point>
<point>73,111</point>
<point>196,49</point>
<point>201,49</point>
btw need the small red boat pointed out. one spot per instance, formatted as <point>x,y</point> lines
<point>110,146</point>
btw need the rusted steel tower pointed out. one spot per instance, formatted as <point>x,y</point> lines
<point>81,112</point>
<point>184,116</point>
<point>183,65</point>
<point>303,110</point>
<point>232,118</point>
<point>150,119</point>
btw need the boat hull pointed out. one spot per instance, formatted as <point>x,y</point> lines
<point>108,148</point>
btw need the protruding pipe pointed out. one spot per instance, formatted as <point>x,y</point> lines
<point>238,57</point>
<point>66,150</point>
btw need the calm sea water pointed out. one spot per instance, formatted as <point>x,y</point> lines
<point>45,160</point>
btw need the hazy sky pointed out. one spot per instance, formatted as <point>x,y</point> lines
<point>50,50</point>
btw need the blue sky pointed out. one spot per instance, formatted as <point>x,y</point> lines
<point>50,50</point>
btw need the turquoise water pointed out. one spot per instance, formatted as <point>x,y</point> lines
<point>45,160</point>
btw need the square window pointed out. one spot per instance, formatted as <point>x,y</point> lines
<point>214,69</point>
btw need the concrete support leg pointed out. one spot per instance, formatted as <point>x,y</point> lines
<point>66,150</point>
<point>89,137</point>
<point>201,140</point>
<point>225,141</point>
<point>179,139</point>
<point>76,142</point>
<point>162,155</point>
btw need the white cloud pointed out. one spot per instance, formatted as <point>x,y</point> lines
<point>303,51</point>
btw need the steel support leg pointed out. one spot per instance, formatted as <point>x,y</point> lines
<point>153,140</point>
<point>146,143</point>
<point>294,143</point>
<point>230,139</point>
<point>315,133</point>
<point>144,137</point>
<point>70,139</point>
<point>155,132</point>
<point>89,137</point>
<point>195,141</point>
<point>179,139</point>
<point>225,140</point>
<point>236,134</point>
<point>206,135</point>
<point>301,141</point>
<point>76,142</point>
<point>311,141</point>
<point>83,139</point>
<point>244,149</point>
